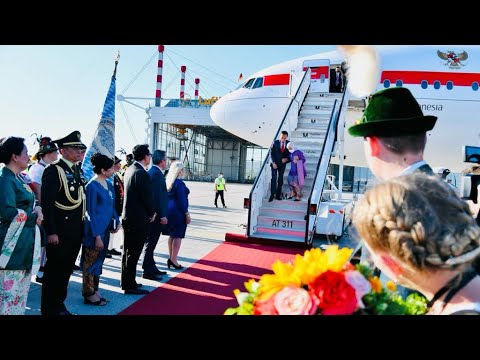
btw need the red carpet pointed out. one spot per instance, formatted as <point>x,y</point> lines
<point>206,287</point>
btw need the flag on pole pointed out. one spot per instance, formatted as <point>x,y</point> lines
<point>104,139</point>
<point>240,77</point>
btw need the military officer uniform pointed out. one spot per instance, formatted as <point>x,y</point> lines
<point>63,205</point>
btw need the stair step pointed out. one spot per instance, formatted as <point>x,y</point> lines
<point>322,107</point>
<point>310,147</point>
<point>308,133</point>
<point>323,123</point>
<point>326,96</point>
<point>294,205</point>
<point>284,213</point>
<point>316,113</point>
<point>276,236</point>
<point>279,233</point>
<point>318,117</point>
<point>277,222</point>
<point>317,101</point>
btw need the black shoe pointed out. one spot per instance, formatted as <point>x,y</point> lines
<point>170,263</point>
<point>101,302</point>
<point>137,286</point>
<point>270,199</point>
<point>76,268</point>
<point>39,280</point>
<point>158,272</point>
<point>65,312</point>
<point>152,277</point>
<point>114,252</point>
<point>224,207</point>
<point>108,256</point>
<point>136,291</point>
<point>278,197</point>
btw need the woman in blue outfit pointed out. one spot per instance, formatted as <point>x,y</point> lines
<point>178,215</point>
<point>101,218</point>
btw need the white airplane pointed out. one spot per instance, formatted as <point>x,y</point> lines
<point>444,79</point>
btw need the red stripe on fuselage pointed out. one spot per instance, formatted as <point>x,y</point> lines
<point>416,77</point>
<point>278,79</point>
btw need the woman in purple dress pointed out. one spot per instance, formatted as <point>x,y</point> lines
<point>297,174</point>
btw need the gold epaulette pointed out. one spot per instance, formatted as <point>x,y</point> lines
<point>75,202</point>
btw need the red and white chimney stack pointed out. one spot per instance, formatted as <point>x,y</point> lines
<point>158,92</point>
<point>197,84</point>
<point>183,68</point>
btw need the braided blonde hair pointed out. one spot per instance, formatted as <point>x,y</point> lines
<point>419,220</point>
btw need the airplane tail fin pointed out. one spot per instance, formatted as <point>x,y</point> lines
<point>363,68</point>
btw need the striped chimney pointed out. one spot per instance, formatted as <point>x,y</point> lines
<point>197,82</point>
<point>158,92</point>
<point>183,68</point>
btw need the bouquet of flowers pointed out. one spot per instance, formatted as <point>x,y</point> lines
<point>323,282</point>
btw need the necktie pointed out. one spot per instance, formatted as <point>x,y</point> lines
<point>283,146</point>
<point>75,172</point>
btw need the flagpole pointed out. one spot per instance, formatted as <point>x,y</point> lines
<point>116,63</point>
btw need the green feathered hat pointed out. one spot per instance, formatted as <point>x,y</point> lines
<point>392,112</point>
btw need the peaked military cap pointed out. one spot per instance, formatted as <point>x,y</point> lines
<point>72,139</point>
<point>392,112</point>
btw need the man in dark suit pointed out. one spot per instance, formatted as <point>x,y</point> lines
<point>138,212</point>
<point>280,157</point>
<point>337,80</point>
<point>160,199</point>
<point>63,204</point>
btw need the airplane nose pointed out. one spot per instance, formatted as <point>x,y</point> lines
<point>217,112</point>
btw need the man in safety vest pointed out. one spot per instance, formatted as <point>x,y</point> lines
<point>220,188</point>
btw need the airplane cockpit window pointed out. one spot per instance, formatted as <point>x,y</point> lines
<point>258,83</point>
<point>249,83</point>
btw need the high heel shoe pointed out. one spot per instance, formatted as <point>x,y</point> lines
<point>170,263</point>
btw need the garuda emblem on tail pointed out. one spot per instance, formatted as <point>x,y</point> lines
<point>454,60</point>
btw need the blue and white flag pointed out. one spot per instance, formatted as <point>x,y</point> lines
<point>104,139</point>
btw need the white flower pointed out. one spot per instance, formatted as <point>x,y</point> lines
<point>361,285</point>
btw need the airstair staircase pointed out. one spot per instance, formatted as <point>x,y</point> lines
<point>311,122</point>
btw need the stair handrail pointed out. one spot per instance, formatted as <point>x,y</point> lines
<point>304,85</point>
<point>324,159</point>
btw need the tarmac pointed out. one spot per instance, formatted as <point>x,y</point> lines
<point>205,232</point>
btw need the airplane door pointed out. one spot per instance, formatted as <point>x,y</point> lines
<point>320,75</point>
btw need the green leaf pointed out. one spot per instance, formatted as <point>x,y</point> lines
<point>230,311</point>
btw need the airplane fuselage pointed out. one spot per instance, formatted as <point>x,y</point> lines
<point>444,80</point>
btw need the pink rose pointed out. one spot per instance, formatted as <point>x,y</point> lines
<point>264,307</point>
<point>7,285</point>
<point>293,300</point>
<point>360,284</point>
